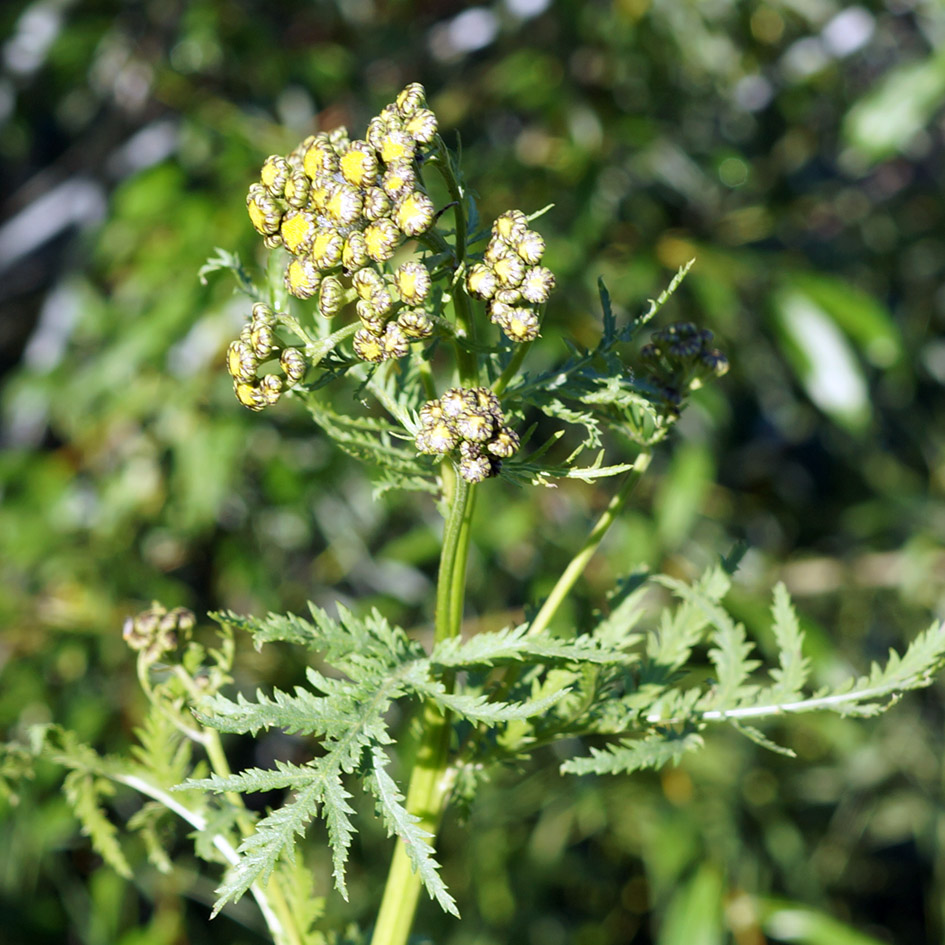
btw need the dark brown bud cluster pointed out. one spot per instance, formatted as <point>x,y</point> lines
<point>680,357</point>
<point>471,421</point>
<point>509,277</point>
<point>341,208</point>
<point>155,630</point>
<point>257,344</point>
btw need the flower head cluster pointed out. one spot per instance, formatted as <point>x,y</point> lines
<point>341,208</point>
<point>257,344</point>
<point>470,420</point>
<point>680,357</point>
<point>155,630</point>
<point>510,278</point>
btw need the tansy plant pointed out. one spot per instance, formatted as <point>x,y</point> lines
<point>431,314</point>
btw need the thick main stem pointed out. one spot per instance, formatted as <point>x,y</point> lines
<point>430,781</point>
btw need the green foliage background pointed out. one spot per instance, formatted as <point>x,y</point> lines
<point>795,149</point>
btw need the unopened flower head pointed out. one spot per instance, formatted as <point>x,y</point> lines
<point>509,278</point>
<point>339,205</point>
<point>679,358</point>
<point>469,420</point>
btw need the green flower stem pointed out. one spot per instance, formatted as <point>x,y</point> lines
<point>465,324</point>
<point>579,562</point>
<point>511,369</point>
<point>430,780</point>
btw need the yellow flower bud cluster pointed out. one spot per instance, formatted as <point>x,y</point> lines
<point>510,279</point>
<point>257,344</point>
<point>470,420</point>
<point>341,208</point>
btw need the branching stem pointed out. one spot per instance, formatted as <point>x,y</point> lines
<point>579,562</point>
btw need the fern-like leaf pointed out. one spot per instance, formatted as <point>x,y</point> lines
<point>406,827</point>
<point>274,837</point>
<point>793,669</point>
<point>653,751</point>
<point>84,792</point>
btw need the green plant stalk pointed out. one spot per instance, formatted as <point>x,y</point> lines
<point>466,358</point>
<point>430,780</point>
<point>579,562</point>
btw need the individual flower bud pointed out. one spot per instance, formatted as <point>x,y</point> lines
<point>496,249</point>
<point>504,444</point>
<point>262,340</point>
<point>414,214</point>
<point>415,323</point>
<point>262,314</point>
<point>509,270</point>
<point>519,324</point>
<point>274,174</point>
<point>330,297</point>
<point>326,247</point>
<point>537,284</point>
<point>473,466</point>
<point>368,346</point>
<point>413,282</point>
<point>249,395</point>
<point>302,277</point>
<point>714,362</point>
<point>382,301</point>
<point>344,204</point>
<point>376,203</point>
<point>393,341</point>
<point>410,99</point>
<point>381,238</point>
<point>270,389</point>
<point>241,361</point>
<point>320,157</point>
<point>508,296</point>
<point>391,117</point>
<point>498,311</point>
<point>481,281</point>
<point>370,318</point>
<point>366,282</point>
<point>510,226</point>
<point>272,241</point>
<point>338,139</point>
<point>399,179</point>
<point>476,426</point>
<point>457,401</point>
<point>437,437</point>
<point>421,126</point>
<point>298,231</point>
<point>396,146</point>
<point>264,211</point>
<point>292,361</point>
<point>487,401</point>
<point>354,254</point>
<point>358,165</point>
<point>530,247</point>
<point>297,189</point>
<point>377,130</point>
<point>431,412</point>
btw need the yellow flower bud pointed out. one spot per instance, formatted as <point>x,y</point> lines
<point>414,213</point>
